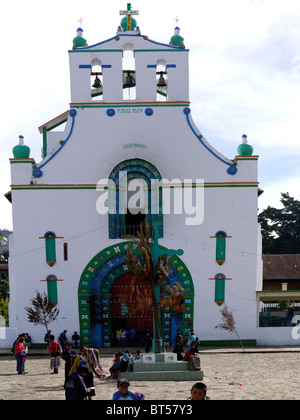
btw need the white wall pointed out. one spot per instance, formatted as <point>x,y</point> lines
<point>279,336</point>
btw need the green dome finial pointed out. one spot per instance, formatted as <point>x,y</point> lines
<point>21,151</point>
<point>124,24</point>
<point>177,40</point>
<point>79,41</point>
<point>245,149</point>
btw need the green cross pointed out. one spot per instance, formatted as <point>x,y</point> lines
<point>156,253</point>
<point>128,13</point>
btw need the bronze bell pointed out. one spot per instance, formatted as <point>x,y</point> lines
<point>97,83</point>
<point>129,81</point>
<point>161,81</point>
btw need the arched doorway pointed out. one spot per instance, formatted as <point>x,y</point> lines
<point>96,290</point>
<point>125,313</point>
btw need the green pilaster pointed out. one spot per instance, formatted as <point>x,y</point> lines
<point>50,251</point>
<point>52,292</point>
<point>220,292</point>
<point>221,250</point>
<point>44,142</point>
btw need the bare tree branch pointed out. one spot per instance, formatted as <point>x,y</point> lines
<point>42,312</point>
<point>228,323</point>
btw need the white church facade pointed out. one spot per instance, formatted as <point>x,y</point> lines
<point>130,130</point>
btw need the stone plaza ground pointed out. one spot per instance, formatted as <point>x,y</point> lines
<point>259,374</point>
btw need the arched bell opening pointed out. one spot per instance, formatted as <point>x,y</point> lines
<point>96,81</point>
<point>161,81</point>
<point>128,69</point>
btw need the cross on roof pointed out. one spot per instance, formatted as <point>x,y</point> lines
<point>128,13</point>
<point>80,20</point>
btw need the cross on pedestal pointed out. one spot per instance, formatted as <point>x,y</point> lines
<point>156,253</point>
<point>128,13</point>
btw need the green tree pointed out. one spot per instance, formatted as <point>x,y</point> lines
<point>281,227</point>
<point>4,286</point>
<point>4,256</point>
<point>4,308</point>
<point>4,281</point>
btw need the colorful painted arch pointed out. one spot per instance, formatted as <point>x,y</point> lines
<point>94,294</point>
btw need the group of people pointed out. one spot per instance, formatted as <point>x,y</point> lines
<point>123,362</point>
<point>81,368</point>
<point>198,392</point>
<point>63,340</point>
<point>192,343</point>
<point>77,390</point>
<point>79,372</point>
<point>133,338</point>
<point>20,350</point>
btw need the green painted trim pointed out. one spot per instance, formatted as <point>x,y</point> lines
<point>52,292</point>
<point>44,142</point>
<point>37,187</point>
<point>92,187</point>
<point>161,93</point>
<point>129,105</point>
<point>92,51</point>
<point>261,292</point>
<point>162,50</point>
<point>50,251</point>
<point>22,161</point>
<point>231,186</point>
<point>246,158</point>
<point>56,125</point>
<point>220,250</point>
<point>39,346</point>
<point>97,94</point>
<point>228,343</point>
<point>220,292</point>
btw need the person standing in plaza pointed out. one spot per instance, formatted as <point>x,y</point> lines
<point>62,339</point>
<point>55,352</point>
<point>123,338</point>
<point>191,339</point>
<point>118,337</point>
<point>75,386</point>
<point>178,339</point>
<point>68,355</point>
<point>20,355</point>
<point>132,334</point>
<point>76,340</point>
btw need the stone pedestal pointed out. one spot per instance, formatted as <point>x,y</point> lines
<point>162,367</point>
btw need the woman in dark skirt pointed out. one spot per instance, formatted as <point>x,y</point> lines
<point>91,359</point>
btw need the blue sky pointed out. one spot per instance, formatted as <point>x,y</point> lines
<point>244,75</point>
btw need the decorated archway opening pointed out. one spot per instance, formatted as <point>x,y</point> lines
<point>125,313</point>
<point>97,290</point>
<point>126,220</point>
